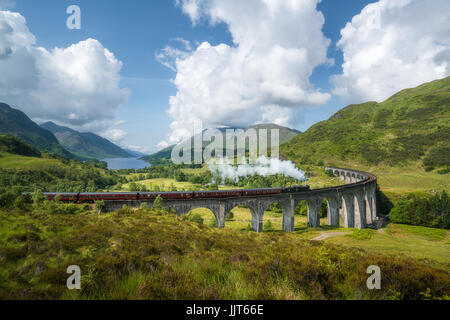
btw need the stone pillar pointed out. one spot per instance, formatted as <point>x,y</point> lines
<point>257,220</point>
<point>348,178</point>
<point>333,211</point>
<point>289,215</point>
<point>220,215</point>
<point>314,212</point>
<point>342,176</point>
<point>360,210</point>
<point>374,203</point>
<point>369,213</point>
<point>348,211</point>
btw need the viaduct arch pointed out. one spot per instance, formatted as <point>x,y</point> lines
<point>354,203</point>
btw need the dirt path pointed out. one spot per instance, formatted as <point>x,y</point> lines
<point>326,235</point>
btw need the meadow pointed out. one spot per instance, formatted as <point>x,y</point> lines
<point>317,178</point>
<point>152,254</point>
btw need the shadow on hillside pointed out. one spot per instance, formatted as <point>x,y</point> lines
<point>384,205</point>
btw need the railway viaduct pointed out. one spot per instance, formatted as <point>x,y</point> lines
<point>354,203</point>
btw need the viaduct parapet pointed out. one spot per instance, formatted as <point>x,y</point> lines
<point>352,205</point>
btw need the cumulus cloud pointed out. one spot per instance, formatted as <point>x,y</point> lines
<point>277,45</point>
<point>392,45</point>
<point>77,86</point>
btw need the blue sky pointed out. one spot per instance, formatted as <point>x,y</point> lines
<point>135,30</point>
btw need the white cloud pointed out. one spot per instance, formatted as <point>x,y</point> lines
<point>277,45</point>
<point>162,145</point>
<point>77,86</point>
<point>119,123</point>
<point>115,135</point>
<point>392,45</point>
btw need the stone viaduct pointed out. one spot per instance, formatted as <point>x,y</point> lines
<point>353,204</point>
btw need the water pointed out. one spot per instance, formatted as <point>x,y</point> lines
<point>126,163</point>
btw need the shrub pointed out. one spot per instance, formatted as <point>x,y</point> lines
<point>230,216</point>
<point>302,209</point>
<point>38,199</point>
<point>324,209</point>
<point>365,234</point>
<point>158,203</point>
<point>213,222</point>
<point>20,203</point>
<point>125,210</point>
<point>423,210</point>
<point>144,205</point>
<point>444,171</point>
<point>330,173</point>
<point>268,226</point>
<point>276,207</point>
<point>99,205</point>
<point>193,218</point>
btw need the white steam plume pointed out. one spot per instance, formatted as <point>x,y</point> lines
<point>263,167</point>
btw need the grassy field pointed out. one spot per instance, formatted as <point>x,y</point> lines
<point>148,254</point>
<point>316,179</point>
<point>430,245</point>
<point>164,184</point>
<point>243,218</point>
<point>411,179</point>
<point>398,180</point>
<point>10,161</point>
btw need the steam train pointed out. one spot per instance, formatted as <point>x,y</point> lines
<point>185,195</point>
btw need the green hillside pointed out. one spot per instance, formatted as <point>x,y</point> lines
<point>411,127</point>
<point>24,168</point>
<point>85,145</point>
<point>17,123</point>
<point>286,134</point>
<point>13,145</point>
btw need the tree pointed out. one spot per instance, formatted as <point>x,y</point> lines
<point>99,206</point>
<point>144,205</point>
<point>180,176</point>
<point>38,199</point>
<point>268,226</point>
<point>19,203</point>
<point>158,203</point>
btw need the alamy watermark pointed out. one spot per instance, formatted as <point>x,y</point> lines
<point>74,281</point>
<point>374,281</point>
<point>74,20</point>
<point>235,145</point>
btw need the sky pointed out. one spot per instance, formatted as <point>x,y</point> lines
<point>141,73</point>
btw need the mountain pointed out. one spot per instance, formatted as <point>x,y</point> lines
<point>85,145</point>
<point>412,126</point>
<point>286,134</point>
<point>17,123</point>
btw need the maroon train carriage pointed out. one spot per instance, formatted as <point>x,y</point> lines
<point>91,197</point>
<point>166,195</point>
<point>110,196</point>
<point>64,197</point>
<point>261,192</point>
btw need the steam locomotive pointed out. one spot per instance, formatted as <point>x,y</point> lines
<point>184,195</point>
